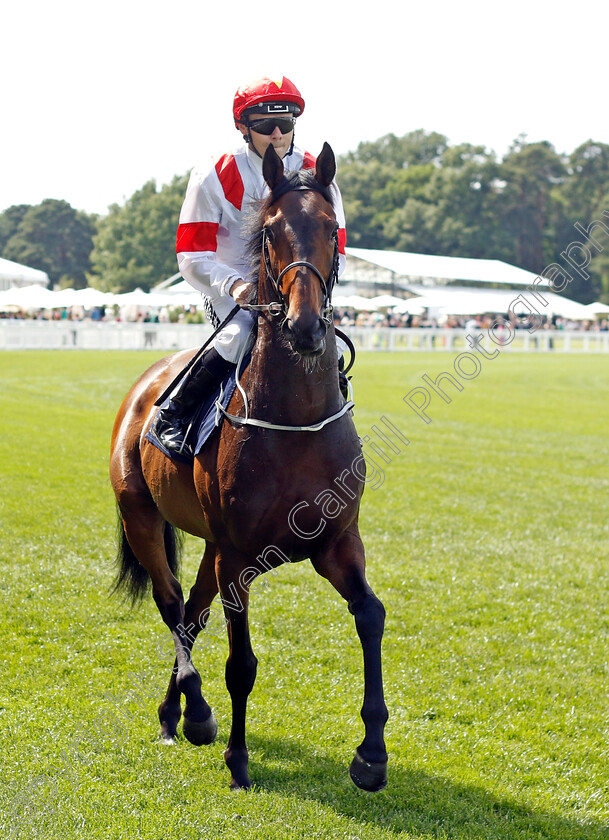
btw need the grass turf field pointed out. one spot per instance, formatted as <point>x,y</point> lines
<point>487,541</point>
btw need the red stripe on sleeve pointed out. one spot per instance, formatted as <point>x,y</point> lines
<point>308,161</point>
<point>342,240</point>
<point>196,236</point>
<point>230,178</point>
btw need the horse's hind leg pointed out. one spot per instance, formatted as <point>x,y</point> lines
<point>199,726</point>
<point>144,529</point>
<point>344,567</point>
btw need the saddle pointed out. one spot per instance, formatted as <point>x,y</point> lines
<point>206,418</point>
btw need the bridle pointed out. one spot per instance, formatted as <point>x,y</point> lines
<point>326,284</point>
<point>279,306</point>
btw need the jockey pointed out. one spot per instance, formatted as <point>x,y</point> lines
<point>212,243</point>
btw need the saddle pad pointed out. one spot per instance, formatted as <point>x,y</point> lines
<point>206,420</point>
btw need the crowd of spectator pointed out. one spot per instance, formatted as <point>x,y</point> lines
<point>112,314</point>
<point>346,317</point>
<point>343,317</point>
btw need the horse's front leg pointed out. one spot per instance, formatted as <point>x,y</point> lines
<point>241,665</point>
<point>344,566</point>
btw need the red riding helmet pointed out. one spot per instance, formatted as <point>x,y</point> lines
<point>265,96</point>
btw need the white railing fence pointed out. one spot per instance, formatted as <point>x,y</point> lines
<point>90,335</point>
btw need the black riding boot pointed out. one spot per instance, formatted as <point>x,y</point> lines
<point>173,421</point>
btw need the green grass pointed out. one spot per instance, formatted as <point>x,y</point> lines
<point>487,542</point>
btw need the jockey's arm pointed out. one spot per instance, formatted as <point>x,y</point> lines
<point>199,227</point>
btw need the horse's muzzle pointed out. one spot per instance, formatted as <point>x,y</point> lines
<point>306,334</point>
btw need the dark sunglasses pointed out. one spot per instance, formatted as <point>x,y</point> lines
<point>267,126</point>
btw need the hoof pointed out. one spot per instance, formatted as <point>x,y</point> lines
<point>167,740</point>
<point>200,732</point>
<point>169,729</point>
<point>169,716</point>
<point>236,761</point>
<point>367,775</point>
<point>234,785</point>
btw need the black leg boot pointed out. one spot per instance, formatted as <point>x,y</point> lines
<point>343,380</point>
<point>173,421</point>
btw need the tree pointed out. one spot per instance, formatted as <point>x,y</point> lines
<point>413,227</point>
<point>582,198</point>
<point>135,243</point>
<point>413,149</point>
<point>454,212</point>
<point>10,220</point>
<point>372,192</point>
<point>416,193</point>
<point>412,193</point>
<point>56,238</point>
<point>588,177</point>
<point>379,178</point>
<point>531,172</point>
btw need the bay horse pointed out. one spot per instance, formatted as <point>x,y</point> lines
<point>287,446</point>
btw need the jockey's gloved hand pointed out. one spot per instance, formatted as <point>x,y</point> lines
<point>243,292</point>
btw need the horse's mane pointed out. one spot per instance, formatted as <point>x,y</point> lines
<point>303,179</point>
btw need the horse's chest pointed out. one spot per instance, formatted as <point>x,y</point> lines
<point>290,493</point>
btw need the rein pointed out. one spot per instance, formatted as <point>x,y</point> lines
<point>264,424</point>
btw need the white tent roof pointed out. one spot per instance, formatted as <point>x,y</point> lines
<point>387,301</point>
<point>462,300</point>
<point>29,298</point>
<point>169,285</point>
<point>12,273</point>
<point>411,306</point>
<point>176,289</point>
<point>355,302</point>
<point>87,298</point>
<point>140,298</point>
<point>35,297</point>
<point>598,308</point>
<point>407,265</point>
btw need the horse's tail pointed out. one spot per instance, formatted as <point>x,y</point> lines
<point>131,577</point>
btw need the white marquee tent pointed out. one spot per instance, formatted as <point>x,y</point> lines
<point>34,297</point>
<point>438,300</point>
<point>456,300</point>
<point>598,308</point>
<point>29,298</point>
<point>410,267</point>
<point>15,274</point>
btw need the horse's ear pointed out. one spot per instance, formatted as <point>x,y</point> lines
<point>272,167</point>
<point>325,168</point>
